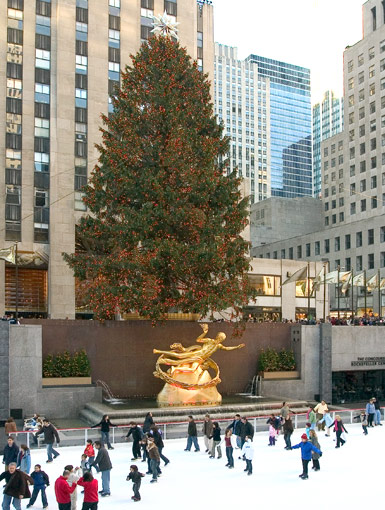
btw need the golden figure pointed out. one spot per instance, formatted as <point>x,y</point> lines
<point>188,381</point>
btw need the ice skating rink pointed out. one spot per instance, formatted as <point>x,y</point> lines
<point>351,477</point>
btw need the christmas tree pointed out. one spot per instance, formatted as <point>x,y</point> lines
<point>164,232</point>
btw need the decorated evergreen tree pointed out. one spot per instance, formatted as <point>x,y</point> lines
<point>165,227</point>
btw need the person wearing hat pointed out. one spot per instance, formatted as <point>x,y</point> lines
<point>306,450</point>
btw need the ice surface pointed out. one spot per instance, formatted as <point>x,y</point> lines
<point>350,476</point>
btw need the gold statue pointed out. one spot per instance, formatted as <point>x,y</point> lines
<point>188,381</point>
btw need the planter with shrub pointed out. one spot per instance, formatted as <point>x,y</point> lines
<point>273,364</point>
<point>66,369</point>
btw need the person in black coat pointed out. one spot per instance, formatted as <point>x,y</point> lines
<point>158,440</point>
<point>105,426</point>
<point>246,430</point>
<point>148,423</point>
<point>192,435</point>
<point>236,427</point>
<point>16,487</point>
<point>50,434</point>
<point>11,451</point>
<point>137,436</point>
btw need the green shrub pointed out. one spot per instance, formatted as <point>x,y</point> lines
<point>67,365</point>
<point>270,360</point>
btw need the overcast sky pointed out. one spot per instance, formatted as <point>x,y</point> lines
<point>309,33</point>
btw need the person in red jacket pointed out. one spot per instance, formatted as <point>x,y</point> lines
<point>89,451</point>
<point>91,496</point>
<point>63,491</point>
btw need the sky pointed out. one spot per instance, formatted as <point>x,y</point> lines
<point>308,33</point>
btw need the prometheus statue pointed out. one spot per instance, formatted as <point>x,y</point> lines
<point>188,381</point>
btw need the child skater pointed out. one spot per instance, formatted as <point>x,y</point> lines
<point>136,478</point>
<point>273,433</point>
<point>306,449</point>
<point>91,495</point>
<point>89,451</point>
<point>364,422</point>
<point>248,454</point>
<point>314,455</point>
<point>40,482</point>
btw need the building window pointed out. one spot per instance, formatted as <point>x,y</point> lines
<point>299,252</point>
<point>42,59</point>
<point>382,234</point>
<point>371,261</point>
<point>358,239</point>
<point>308,250</point>
<point>382,259</point>
<point>359,263</point>
<point>317,248</point>
<point>266,285</point>
<point>347,242</point>
<point>291,253</point>
<point>363,205</point>
<point>353,208</point>
<point>348,264</point>
<point>327,245</point>
<point>337,244</point>
<point>371,236</point>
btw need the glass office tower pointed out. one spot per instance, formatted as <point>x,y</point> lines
<point>290,127</point>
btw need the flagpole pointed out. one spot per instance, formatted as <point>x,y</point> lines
<point>338,292</point>
<point>308,292</point>
<point>365,292</point>
<point>352,286</point>
<point>325,264</point>
<point>17,283</point>
<point>379,294</point>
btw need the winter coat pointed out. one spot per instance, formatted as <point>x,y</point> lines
<point>306,449</point>
<point>136,432</point>
<point>10,426</point>
<point>236,427</point>
<point>327,419</point>
<point>135,476</point>
<point>247,430</point>
<point>10,453</point>
<point>40,479</point>
<point>248,450</point>
<point>285,412</point>
<point>148,423</point>
<point>364,419</point>
<point>377,405</point>
<point>104,425</point>
<point>153,452</point>
<point>89,451</point>
<point>63,491</point>
<point>157,438</point>
<point>24,461</point>
<point>102,460</point>
<point>207,428</point>
<point>370,409</point>
<point>272,431</point>
<point>192,429</point>
<point>90,490</point>
<point>18,486</point>
<point>312,417</point>
<point>50,434</point>
<point>288,426</point>
<point>339,426</point>
<point>314,442</point>
<point>321,408</point>
<point>216,433</point>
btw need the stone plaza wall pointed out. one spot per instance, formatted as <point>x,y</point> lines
<point>121,351</point>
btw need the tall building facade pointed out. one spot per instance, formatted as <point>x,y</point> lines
<point>289,112</point>
<point>328,120</point>
<point>353,170</point>
<point>241,100</point>
<point>266,112</point>
<point>60,60</point>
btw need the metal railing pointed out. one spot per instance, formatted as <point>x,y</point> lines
<point>170,430</point>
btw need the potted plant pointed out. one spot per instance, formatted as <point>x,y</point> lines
<point>65,369</point>
<point>277,365</point>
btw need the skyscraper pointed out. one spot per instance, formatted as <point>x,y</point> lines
<point>60,61</point>
<point>289,111</point>
<point>328,120</point>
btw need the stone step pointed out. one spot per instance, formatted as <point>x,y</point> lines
<point>93,412</point>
